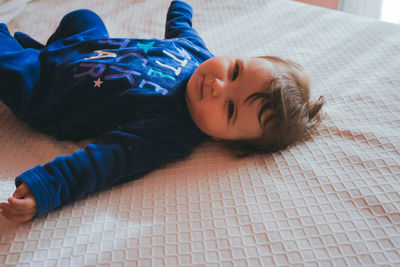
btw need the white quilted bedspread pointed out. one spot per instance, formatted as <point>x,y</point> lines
<point>331,201</point>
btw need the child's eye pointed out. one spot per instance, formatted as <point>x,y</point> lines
<point>235,72</point>
<point>231,109</point>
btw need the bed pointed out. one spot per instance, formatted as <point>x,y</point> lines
<point>333,200</point>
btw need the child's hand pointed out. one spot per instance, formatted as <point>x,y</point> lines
<point>21,207</point>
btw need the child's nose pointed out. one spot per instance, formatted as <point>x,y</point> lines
<point>216,87</point>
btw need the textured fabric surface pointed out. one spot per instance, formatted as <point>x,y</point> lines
<point>9,9</point>
<point>331,201</point>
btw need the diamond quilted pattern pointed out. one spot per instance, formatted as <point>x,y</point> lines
<point>331,201</point>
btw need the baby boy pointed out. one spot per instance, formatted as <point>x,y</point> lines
<point>146,101</point>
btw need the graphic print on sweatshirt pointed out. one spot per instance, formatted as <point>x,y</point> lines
<point>139,65</point>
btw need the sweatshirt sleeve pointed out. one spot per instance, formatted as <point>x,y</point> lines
<point>117,157</point>
<point>179,23</point>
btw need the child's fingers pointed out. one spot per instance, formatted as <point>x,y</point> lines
<point>21,207</point>
<point>26,203</point>
<point>21,191</point>
<point>18,218</point>
<point>12,210</point>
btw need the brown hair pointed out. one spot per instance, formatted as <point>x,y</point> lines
<point>294,117</point>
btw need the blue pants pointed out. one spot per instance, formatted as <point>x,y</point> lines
<point>20,62</point>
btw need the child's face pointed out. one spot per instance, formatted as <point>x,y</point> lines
<point>216,94</point>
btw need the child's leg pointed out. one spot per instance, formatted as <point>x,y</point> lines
<point>7,41</point>
<point>19,71</point>
<point>83,22</point>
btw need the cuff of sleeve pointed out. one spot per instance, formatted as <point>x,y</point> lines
<point>35,180</point>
